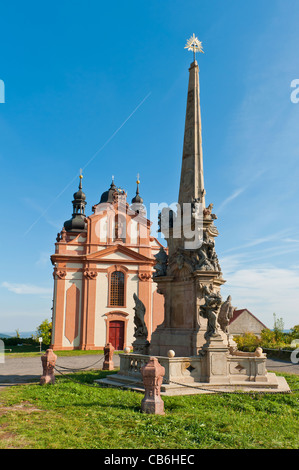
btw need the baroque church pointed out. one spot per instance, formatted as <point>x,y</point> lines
<point>100,262</point>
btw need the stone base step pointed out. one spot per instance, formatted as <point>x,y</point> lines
<point>273,385</point>
<point>121,381</point>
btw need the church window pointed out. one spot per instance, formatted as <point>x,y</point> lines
<point>117,289</point>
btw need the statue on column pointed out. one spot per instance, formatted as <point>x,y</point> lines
<point>141,344</point>
<point>226,314</point>
<point>210,311</point>
<point>161,265</point>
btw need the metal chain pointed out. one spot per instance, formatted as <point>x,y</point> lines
<point>257,392</point>
<point>75,381</point>
<point>285,365</point>
<point>81,368</point>
<point>76,370</point>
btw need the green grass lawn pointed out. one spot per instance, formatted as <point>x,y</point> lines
<point>71,415</point>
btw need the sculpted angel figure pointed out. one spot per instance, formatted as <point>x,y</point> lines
<point>207,212</point>
<point>226,313</point>
<point>201,260</point>
<point>214,260</point>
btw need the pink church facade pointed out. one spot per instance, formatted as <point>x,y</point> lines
<point>100,261</point>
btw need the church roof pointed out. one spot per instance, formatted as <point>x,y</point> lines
<point>238,313</point>
<point>107,196</point>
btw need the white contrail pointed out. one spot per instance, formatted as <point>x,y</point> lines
<point>89,161</point>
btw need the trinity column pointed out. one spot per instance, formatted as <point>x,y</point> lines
<point>193,343</point>
<point>191,268</point>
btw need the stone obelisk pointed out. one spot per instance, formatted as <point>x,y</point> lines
<point>190,271</point>
<point>192,179</point>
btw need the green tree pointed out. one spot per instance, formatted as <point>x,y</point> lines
<point>44,330</point>
<point>294,333</point>
<point>278,329</point>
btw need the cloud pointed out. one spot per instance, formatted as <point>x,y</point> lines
<point>241,190</point>
<point>25,289</point>
<point>274,237</point>
<point>262,289</point>
<point>229,199</point>
<point>44,259</point>
<point>291,240</point>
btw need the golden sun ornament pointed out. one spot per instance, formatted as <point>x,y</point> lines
<point>193,44</point>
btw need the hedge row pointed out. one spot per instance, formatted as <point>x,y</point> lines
<point>14,341</point>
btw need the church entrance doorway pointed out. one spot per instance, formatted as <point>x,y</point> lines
<point>116,334</point>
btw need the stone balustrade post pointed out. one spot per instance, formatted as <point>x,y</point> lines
<point>48,363</point>
<point>152,375</point>
<point>108,361</point>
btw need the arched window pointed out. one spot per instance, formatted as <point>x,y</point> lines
<point>117,289</point>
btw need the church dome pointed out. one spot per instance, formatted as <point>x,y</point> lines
<point>107,196</point>
<point>77,222</point>
<point>79,195</point>
<point>137,199</point>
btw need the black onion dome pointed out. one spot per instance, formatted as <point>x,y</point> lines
<point>79,195</point>
<point>137,199</point>
<point>77,222</point>
<point>107,196</point>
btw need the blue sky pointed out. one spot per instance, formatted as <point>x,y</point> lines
<point>102,86</point>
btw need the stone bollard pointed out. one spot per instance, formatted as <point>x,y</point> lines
<point>108,353</point>
<point>48,363</point>
<point>152,374</point>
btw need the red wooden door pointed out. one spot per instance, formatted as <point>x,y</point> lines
<point>116,334</point>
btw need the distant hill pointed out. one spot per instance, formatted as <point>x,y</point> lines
<point>3,335</point>
<point>24,334</point>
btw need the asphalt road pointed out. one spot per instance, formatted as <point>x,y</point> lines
<point>29,369</point>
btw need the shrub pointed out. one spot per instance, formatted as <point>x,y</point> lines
<point>270,339</point>
<point>15,340</point>
<point>294,333</point>
<point>267,337</point>
<point>247,342</point>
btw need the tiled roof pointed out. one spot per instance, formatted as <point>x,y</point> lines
<point>237,313</point>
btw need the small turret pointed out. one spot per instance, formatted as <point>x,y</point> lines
<point>137,201</point>
<point>77,222</point>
